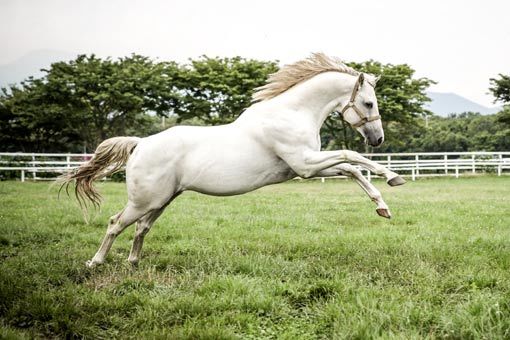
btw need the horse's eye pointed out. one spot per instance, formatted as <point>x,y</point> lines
<point>369,105</point>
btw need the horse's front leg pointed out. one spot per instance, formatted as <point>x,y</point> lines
<point>352,172</point>
<point>307,163</point>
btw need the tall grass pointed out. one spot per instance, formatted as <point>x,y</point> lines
<point>297,260</point>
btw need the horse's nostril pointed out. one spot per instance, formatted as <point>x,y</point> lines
<point>380,140</point>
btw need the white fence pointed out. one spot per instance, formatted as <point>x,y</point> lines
<point>46,166</point>
<point>426,164</point>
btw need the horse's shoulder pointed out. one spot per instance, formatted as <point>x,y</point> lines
<point>283,131</point>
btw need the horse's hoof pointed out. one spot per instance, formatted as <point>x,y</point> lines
<point>383,213</point>
<point>91,264</point>
<point>396,181</point>
<point>134,263</point>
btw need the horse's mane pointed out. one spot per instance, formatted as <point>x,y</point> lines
<point>292,74</point>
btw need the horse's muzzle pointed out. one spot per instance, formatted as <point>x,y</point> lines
<point>374,140</point>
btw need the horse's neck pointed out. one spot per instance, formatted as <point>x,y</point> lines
<point>319,96</point>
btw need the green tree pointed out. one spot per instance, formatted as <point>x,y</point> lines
<point>78,104</point>
<point>217,90</point>
<point>401,100</point>
<point>504,115</point>
<point>500,89</point>
<point>468,131</point>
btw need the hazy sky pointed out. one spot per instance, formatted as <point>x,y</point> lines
<point>460,44</point>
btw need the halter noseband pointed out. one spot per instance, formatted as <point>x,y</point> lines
<point>364,118</point>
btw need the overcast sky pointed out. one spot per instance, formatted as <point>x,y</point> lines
<point>460,44</point>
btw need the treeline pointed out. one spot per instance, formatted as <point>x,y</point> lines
<point>468,131</point>
<point>79,103</point>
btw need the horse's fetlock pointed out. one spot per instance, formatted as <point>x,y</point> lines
<point>376,197</point>
<point>133,260</point>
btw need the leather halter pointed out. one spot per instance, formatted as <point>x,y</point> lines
<point>364,118</point>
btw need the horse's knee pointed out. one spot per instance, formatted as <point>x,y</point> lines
<point>112,232</point>
<point>115,228</point>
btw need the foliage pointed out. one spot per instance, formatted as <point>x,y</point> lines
<point>401,100</point>
<point>217,90</point>
<point>84,101</point>
<point>504,116</point>
<point>79,103</point>
<point>289,261</point>
<point>467,131</point>
<point>500,88</point>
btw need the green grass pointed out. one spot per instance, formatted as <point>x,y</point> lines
<point>298,260</point>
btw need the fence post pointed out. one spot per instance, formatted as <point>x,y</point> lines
<point>413,174</point>
<point>22,176</point>
<point>456,171</point>
<point>416,159</point>
<point>473,167</point>
<point>322,179</point>
<point>369,176</point>
<point>33,165</point>
<point>68,161</point>
<point>446,164</point>
<point>500,164</point>
<point>389,162</point>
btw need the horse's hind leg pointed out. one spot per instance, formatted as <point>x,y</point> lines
<point>117,224</point>
<point>143,226</point>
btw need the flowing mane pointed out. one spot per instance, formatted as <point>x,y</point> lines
<point>292,74</point>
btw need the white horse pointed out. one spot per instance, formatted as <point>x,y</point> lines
<point>274,140</point>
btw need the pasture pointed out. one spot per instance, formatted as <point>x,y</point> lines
<point>297,260</point>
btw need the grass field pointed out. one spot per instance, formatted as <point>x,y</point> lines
<point>299,260</point>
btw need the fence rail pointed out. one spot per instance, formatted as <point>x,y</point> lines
<point>46,166</point>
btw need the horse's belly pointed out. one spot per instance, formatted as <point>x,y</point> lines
<point>232,177</point>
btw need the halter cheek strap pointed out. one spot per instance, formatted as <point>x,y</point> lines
<point>364,118</point>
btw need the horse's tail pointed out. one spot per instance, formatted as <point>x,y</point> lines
<point>109,157</point>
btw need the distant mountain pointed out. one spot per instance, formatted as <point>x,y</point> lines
<point>445,103</point>
<point>31,65</point>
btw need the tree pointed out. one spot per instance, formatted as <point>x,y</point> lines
<point>217,90</point>
<point>401,100</point>
<point>500,88</point>
<point>30,123</point>
<point>79,103</point>
<point>84,101</point>
<point>468,131</point>
<point>504,116</point>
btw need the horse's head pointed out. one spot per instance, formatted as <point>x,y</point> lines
<point>362,112</point>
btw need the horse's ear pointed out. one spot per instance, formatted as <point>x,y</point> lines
<point>377,79</point>
<point>361,79</point>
